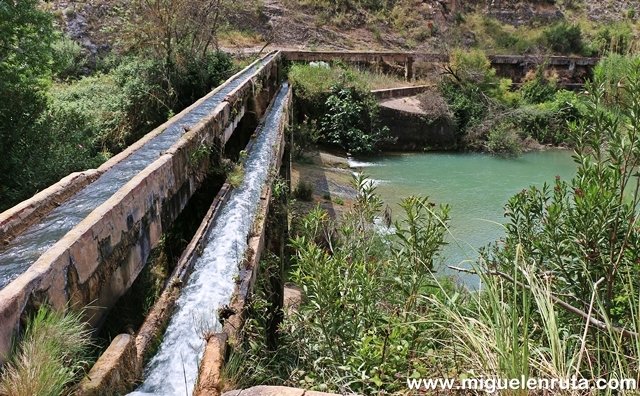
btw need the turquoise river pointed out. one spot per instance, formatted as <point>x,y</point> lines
<point>476,186</point>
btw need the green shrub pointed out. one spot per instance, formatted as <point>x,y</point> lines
<point>564,38</point>
<point>549,122</point>
<point>303,191</point>
<point>468,108</point>
<point>539,89</point>
<point>197,76</point>
<point>359,323</point>
<point>305,136</point>
<point>612,71</point>
<point>503,140</point>
<point>351,121</point>
<point>614,38</point>
<point>69,59</point>
<point>312,86</point>
<point>236,176</point>
<point>578,231</point>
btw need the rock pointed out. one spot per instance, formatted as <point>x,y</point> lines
<point>292,298</point>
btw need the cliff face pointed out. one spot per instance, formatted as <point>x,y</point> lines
<point>420,25</point>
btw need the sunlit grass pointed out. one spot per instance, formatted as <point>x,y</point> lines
<point>49,357</point>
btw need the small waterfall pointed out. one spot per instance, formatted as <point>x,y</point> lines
<point>174,369</point>
<point>26,248</point>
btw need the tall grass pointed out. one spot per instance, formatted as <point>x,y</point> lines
<point>514,327</point>
<point>50,356</point>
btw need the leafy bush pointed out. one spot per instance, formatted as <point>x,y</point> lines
<point>538,89</point>
<point>351,121</point>
<point>68,58</point>
<point>312,86</point>
<point>473,68</point>
<point>503,140</point>
<point>612,71</point>
<point>358,325</point>
<point>466,104</point>
<point>564,38</point>
<point>197,76</point>
<point>549,122</point>
<point>339,102</point>
<point>303,191</point>
<point>26,34</point>
<point>112,110</point>
<point>582,233</point>
<point>614,38</point>
<point>305,136</point>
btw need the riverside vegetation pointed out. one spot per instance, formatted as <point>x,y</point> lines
<point>559,297</point>
<point>486,112</point>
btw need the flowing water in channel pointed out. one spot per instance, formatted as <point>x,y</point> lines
<point>174,369</point>
<point>476,186</point>
<point>25,249</point>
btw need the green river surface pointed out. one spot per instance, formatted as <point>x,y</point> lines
<point>476,187</point>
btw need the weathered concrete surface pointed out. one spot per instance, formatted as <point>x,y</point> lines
<point>210,373</point>
<point>390,93</point>
<point>413,128</point>
<point>159,315</point>
<point>264,390</point>
<point>113,371</point>
<point>15,220</point>
<point>570,68</point>
<point>97,261</point>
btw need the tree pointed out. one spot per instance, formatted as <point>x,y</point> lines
<point>26,34</point>
<point>181,35</point>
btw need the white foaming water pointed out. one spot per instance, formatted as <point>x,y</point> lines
<point>174,368</point>
<point>359,164</point>
<point>381,228</point>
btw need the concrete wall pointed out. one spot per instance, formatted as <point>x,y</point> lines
<point>115,365</point>
<point>571,69</point>
<point>417,132</point>
<point>18,218</point>
<point>389,93</point>
<point>97,261</point>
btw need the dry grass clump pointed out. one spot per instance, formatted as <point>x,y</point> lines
<point>49,357</point>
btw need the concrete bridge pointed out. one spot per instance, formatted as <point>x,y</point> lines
<point>570,68</point>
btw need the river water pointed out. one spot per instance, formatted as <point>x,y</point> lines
<point>476,186</point>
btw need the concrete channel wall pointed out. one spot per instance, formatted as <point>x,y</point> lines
<point>97,261</point>
<point>18,218</point>
<point>571,68</point>
<point>121,365</point>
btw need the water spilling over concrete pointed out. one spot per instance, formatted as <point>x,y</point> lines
<point>27,247</point>
<point>174,369</point>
